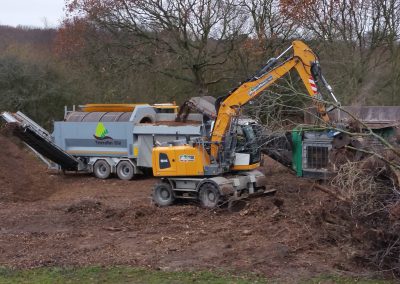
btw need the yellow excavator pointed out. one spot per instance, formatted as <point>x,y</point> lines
<point>225,163</point>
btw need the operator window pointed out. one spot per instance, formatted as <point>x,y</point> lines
<point>164,161</point>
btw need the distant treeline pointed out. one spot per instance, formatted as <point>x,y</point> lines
<point>162,51</point>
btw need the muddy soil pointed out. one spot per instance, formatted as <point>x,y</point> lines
<point>49,219</point>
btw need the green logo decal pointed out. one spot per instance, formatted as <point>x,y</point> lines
<point>101,132</point>
<point>186,158</point>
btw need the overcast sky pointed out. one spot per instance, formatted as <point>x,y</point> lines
<point>31,12</point>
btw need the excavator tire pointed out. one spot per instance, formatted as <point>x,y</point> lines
<point>209,195</point>
<point>163,195</point>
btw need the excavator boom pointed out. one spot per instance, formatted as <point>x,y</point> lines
<point>306,64</point>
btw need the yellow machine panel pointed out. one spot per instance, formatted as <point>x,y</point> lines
<point>108,107</point>
<point>179,161</point>
<point>245,167</point>
<point>163,108</point>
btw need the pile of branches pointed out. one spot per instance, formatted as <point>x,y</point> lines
<point>365,215</point>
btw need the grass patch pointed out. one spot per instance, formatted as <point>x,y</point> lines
<point>118,275</point>
<point>344,280</point>
<point>138,275</point>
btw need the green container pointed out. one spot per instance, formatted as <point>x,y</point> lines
<point>297,153</point>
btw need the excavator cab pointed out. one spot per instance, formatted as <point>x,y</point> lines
<point>246,147</point>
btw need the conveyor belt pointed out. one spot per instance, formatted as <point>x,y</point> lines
<point>39,139</point>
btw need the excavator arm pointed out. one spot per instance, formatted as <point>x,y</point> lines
<point>306,64</point>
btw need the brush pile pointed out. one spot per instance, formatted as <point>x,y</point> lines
<point>365,216</point>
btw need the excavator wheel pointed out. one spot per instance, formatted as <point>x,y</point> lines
<point>163,195</point>
<point>209,195</point>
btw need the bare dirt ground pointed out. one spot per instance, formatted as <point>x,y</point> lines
<point>75,220</point>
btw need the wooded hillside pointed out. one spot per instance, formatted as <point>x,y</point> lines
<point>159,51</point>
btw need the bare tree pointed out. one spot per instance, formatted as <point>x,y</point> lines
<point>390,10</point>
<point>270,30</point>
<point>271,25</point>
<point>190,40</point>
<point>354,36</point>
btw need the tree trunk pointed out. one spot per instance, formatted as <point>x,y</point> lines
<point>200,82</point>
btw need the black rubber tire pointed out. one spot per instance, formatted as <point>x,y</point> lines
<point>209,195</point>
<point>125,170</point>
<point>163,195</point>
<point>102,169</point>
